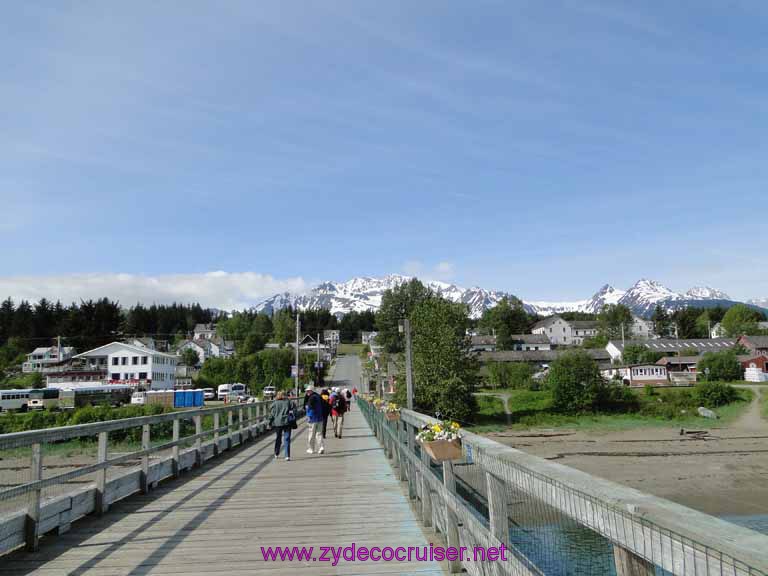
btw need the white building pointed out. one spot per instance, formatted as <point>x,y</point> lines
<point>204,331</point>
<point>332,337</point>
<point>566,332</point>
<point>368,337</point>
<point>642,329</point>
<point>43,359</point>
<point>128,364</point>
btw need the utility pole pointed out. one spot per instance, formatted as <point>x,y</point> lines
<point>298,327</point>
<point>319,370</point>
<point>408,363</point>
<point>623,343</point>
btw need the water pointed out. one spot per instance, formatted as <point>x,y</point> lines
<point>757,522</point>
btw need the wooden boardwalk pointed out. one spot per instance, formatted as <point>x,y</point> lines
<point>215,520</point>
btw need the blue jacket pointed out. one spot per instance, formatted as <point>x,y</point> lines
<point>313,404</point>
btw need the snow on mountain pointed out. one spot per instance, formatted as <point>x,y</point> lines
<point>761,302</point>
<point>706,293</point>
<point>603,297</point>
<point>365,293</point>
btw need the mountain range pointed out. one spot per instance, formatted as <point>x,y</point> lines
<point>364,293</point>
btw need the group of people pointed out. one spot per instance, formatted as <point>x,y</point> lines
<point>331,403</point>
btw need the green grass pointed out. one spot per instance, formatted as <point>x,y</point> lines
<point>534,410</point>
<point>353,349</point>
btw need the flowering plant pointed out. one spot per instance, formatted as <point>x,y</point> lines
<point>377,402</point>
<point>392,408</point>
<point>439,431</point>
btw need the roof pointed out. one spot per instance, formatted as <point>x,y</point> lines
<point>672,345</point>
<point>205,328</point>
<point>695,359</point>
<point>482,340</point>
<point>44,349</point>
<point>756,341</point>
<point>101,350</point>
<point>530,338</point>
<point>537,355</point>
<point>576,324</point>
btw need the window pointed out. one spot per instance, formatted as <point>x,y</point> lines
<point>135,361</point>
<point>115,361</point>
<point>142,375</point>
<point>124,360</point>
<point>144,360</point>
<point>115,376</point>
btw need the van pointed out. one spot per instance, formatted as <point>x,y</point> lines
<point>223,391</point>
<point>209,394</point>
<point>269,392</point>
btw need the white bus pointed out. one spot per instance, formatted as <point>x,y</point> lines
<point>14,400</point>
<point>43,398</point>
<point>229,392</point>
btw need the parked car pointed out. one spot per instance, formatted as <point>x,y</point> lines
<point>209,394</point>
<point>269,392</point>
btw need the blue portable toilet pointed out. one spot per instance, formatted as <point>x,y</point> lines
<point>178,399</point>
<point>198,398</point>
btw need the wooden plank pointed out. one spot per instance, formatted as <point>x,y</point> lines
<point>215,520</point>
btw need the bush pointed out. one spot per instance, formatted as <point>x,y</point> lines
<point>456,401</point>
<point>719,367</point>
<point>510,375</point>
<point>649,390</point>
<point>714,394</point>
<point>576,384</point>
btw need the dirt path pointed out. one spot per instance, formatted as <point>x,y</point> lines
<point>752,420</point>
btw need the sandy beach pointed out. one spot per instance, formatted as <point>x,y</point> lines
<point>721,471</point>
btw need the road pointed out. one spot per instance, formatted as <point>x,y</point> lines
<point>347,373</point>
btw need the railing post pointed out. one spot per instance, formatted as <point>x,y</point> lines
<point>249,422</point>
<point>498,512</point>
<point>627,564</point>
<point>198,441</point>
<point>101,476</point>
<point>451,521</point>
<point>230,424</point>
<point>411,438</point>
<point>240,423</point>
<point>426,492</point>
<point>33,510</point>
<point>144,481</point>
<point>175,449</point>
<point>400,453</point>
<point>216,424</point>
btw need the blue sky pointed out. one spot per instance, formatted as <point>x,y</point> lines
<point>543,148</point>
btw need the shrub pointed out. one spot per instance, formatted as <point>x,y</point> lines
<point>714,394</point>
<point>456,401</point>
<point>719,366</point>
<point>576,384</point>
<point>649,390</point>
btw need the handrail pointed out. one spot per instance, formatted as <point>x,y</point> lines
<point>650,529</point>
<point>252,419</point>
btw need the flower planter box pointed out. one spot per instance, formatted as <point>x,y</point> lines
<point>392,415</point>
<point>443,450</point>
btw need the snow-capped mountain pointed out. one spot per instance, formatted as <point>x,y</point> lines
<point>706,293</point>
<point>760,302</point>
<point>364,293</point>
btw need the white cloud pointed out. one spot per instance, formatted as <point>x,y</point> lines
<point>224,290</point>
<point>443,270</point>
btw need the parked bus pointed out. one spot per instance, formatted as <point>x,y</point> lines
<point>95,396</point>
<point>231,392</point>
<point>14,400</point>
<point>44,398</point>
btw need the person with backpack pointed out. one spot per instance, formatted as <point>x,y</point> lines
<point>282,418</point>
<point>325,396</point>
<point>313,405</point>
<point>338,408</point>
<point>348,398</point>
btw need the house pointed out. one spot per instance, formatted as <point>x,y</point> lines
<point>641,375</point>
<point>642,329</point>
<point>185,375</point>
<point>148,343</point>
<point>45,359</point>
<point>755,344</point>
<point>717,331</point>
<point>671,346</point>
<point>368,337</point>
<point>565,332</point>
<point>530,342</point>
<point>332,337</point>
<point>690,363</point>
<point>481,343</point>
<point>204,331</point>
<point>122,363</point>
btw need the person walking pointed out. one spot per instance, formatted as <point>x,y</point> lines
<point>313,405</point>
<point>338,408</point>
<point>348,398</point>
<point>325,396</point>
<point>283,420</point>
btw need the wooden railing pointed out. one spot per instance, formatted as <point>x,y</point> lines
<point>499,495</point>
<point>37,515</point>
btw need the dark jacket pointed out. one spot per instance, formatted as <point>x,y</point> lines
<point>279,414</point>
<point>314,407</point>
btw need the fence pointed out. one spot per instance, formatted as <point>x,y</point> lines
<point>555,519</point>
<point>50,478</point>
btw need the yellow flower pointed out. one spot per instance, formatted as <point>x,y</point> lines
<point>455,425</point>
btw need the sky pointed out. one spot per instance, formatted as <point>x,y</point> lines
<point>224,151</point>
